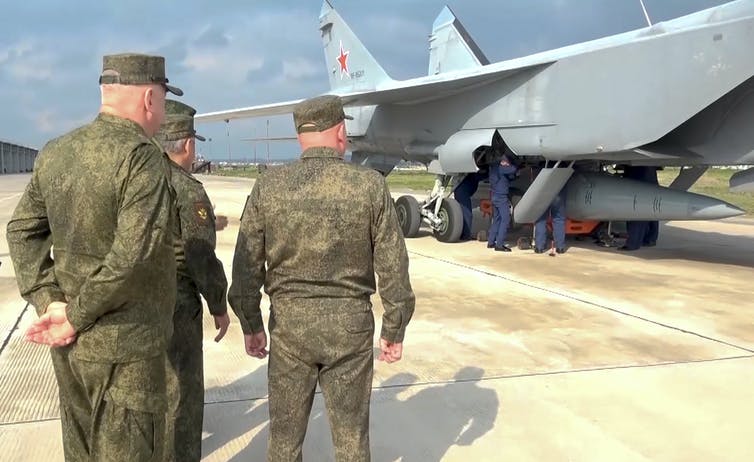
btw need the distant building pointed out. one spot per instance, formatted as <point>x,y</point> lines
<point>15,158</point>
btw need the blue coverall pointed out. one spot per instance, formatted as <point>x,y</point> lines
<point>641,232</point>
<point>653,227</point>
<point>558,213</point>
<point>463,194</point>
<point>500,178</point>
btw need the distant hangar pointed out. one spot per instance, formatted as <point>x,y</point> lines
<point>15,158</point>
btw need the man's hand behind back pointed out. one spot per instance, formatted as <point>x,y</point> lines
<point>390,352</point>
<point>221,222</point>
<point>52,328</point>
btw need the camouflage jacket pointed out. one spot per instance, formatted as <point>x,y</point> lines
<point>100,198</point>
<point>323,227</point>
<point>198,267</point>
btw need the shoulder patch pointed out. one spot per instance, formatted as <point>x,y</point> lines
<point>202,212</point>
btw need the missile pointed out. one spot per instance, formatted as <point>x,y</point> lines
<point>599,196</point>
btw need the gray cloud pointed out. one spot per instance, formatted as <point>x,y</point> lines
<point>212,36</point>
<point>263,73</point>
<point>242,53</point>
<point>176,51</point>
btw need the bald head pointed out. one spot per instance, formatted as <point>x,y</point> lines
<point>144,104</point>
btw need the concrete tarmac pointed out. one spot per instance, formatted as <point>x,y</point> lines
<point>594,355</point>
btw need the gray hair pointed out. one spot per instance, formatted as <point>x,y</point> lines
<point>173,146</point>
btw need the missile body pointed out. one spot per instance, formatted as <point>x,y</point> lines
<point>599,196</point>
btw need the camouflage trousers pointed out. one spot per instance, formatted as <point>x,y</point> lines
<point>185,380</point>
<point>110,411</point>
<point>329,343</point>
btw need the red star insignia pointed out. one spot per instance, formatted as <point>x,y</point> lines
<point>343,60</point>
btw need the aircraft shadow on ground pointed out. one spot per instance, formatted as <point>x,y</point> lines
<point>674,243</point>
<point>406,426</point>
<point>685,244</point>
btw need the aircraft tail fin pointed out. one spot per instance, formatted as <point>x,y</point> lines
<point>451,48</point>
<point>351,67</point>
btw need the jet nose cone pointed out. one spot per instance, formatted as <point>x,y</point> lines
<point>715,211</point>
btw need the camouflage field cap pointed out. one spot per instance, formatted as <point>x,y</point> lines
<point>178,127</point>
<point>176,107</point>
<point>179,122</point>
<point>135,69</point>
<point>318,114</point>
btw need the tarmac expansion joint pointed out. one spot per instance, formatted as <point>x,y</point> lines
<point>572,297</point>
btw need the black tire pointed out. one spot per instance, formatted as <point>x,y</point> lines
<point>407,209</point>
<point>523,243</point>
<point>451,216</point>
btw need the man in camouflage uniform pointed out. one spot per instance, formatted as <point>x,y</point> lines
<point>323,227</point>
<point>199,272</point>
<point>100,196</point>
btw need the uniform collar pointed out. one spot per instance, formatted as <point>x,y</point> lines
<point>120,122</point>
<point>180,169</point>
<point>321,152</point>
<point>173,164</point>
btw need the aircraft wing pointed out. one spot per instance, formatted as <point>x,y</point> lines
<point>433,87</point>
<point>264,110</point>
<point>406,92</point>
<point>272,138</point>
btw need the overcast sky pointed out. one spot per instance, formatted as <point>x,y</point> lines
<point>233,53</point>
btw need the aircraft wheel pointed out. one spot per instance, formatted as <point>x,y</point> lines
<point>604,239</point>
<point>451,218</point>
<point>407,209</point>
<point>523,243</point>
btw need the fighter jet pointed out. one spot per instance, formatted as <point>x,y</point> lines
<point>675,93</point>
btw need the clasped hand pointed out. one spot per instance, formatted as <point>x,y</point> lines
<point>52,328</point>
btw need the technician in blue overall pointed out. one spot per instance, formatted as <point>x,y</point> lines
<point>501,174</point>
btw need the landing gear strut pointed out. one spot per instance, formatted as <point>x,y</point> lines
<point>443,214</point>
